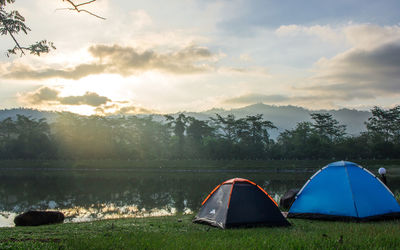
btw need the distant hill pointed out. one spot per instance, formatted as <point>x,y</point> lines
<point>283,117</point>
<point>32,113</point>
<point>286,117</point>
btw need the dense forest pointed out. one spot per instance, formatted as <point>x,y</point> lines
<point>184,137</point>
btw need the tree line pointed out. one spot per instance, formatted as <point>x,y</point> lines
<point>73,136</point>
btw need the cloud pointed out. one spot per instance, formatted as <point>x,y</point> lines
<point>278,99</point>
<point>26,72</point>
<point>360,73</point>
<point>125,61</point>
<point>325,32</point>
<point>116,109</point>
<point>368,68</point>
<point>368,36</point>
<point>250,71</point>
<point>133,110</point>
<point>45,96</point>
<point>364,36</point>
<point>89,98</point>
<point>49,96</point>
<point>129,61</point>
<point>256,98</point>
<point>41,95</point>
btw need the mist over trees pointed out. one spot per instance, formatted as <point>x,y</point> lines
<point>73,136</point>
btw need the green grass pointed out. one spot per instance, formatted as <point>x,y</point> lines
<point>178,232</point>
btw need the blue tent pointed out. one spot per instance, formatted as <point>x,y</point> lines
<point>344,190</point>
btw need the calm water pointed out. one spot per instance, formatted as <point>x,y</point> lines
<point>84,195</point>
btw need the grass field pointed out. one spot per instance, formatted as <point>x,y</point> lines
<point>178,232</point>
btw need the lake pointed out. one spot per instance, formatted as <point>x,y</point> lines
<point>85,194</point>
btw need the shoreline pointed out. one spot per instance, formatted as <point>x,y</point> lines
<point>109,164</point>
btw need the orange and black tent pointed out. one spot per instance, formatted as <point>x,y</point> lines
<point>240,202</point>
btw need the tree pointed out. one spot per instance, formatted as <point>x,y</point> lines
<point>385,123</point>
<point>300,142</point>
<point>153,138</point>
<point>383,130</point>
<point>254,136</point>
<point>197,132</point>
<point>13,23</point>
<point>317,140</point>
<point>327,133</point>
<point>224,144</point>
<point>228,126</point>
<point>353,147</point>
<point>7,133</point>
<point>32,139</point>
<point>242,138</point>
<point>327,127</point>
<point>179,125</point>
<point>258,129</point>
<point>7,128</point>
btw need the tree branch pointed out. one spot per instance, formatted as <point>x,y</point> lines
<point>13,22</point>
<point>88,2</point>
<point>15,40</point>
<point>75,7</point>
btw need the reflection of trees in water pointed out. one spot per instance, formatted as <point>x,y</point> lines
<point>126,192</point>
<point>22,190</point>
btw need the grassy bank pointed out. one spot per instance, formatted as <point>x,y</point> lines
<point>185,164</point>
<point>177,232</point>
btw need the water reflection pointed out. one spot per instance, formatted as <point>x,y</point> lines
<point>99,212</point>
<point>111,211</point>
<point>92,195</point>
<point>7,219</point>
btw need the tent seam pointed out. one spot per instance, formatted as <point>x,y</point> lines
<point>351,190</point>
<point>265,192</point>
<point>230,195</point>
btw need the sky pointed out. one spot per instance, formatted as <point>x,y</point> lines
<point>160,56</point>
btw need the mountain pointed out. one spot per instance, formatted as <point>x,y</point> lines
<point>283,117</point>
<point>286,117</point>
<point>32,113</point>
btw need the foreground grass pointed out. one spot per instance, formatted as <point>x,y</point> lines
<point>178,232</point>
